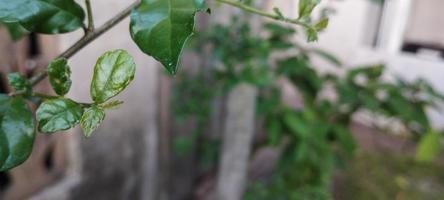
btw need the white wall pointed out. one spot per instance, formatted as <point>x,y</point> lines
<point>124,147</point>
<point>346,37</point>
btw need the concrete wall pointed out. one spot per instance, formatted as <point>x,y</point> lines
<point>118,162</point>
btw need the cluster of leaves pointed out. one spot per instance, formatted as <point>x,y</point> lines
<point>151,21</point>
<point>306,7</point>
<point>194,97</point>
<point>319,132</point>
<point>112,74</point>
<point>316,137</point>
<point>229,67</point>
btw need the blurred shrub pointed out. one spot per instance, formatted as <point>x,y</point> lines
<point>316,138</point>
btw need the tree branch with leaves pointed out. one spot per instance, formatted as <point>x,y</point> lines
<point>150,22</point>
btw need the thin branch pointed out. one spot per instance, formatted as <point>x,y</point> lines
<point>239,4</point>
<point>91,36</point>
<point>90,16</point>
<point>43,96</point>
<point>88,38</point>
<point>48,97</point>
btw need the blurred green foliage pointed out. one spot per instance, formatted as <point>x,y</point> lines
<point>316,138</point>
<point>429,147</point>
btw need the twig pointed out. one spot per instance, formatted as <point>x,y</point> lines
<point>91,36</point>
<point>239,4</point>
<point>48,97</point>
<point>43,96</point>
<point>90,16</point>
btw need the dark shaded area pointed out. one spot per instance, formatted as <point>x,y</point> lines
<point>3,85</point>
<point>414,47</point>
<point>112,170</point>
<point>34,45</point>
<point>5,181</point>
<point>49,160</point>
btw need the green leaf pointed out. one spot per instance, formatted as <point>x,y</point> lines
<point>112,74</point>
<point>43,16</point>
<point>91,120</point>
<point>406,109</point>
<point>371,72</point>
<point>59,75</point>
<point>312,31</point>
<point>321,25</point>
<point>296,125</point>
<point>161,28</point>
<point>16,133</point>
<point>58,115</point>
<point>302,75</point>
<point>428,147</point>
<point>306,7</point>
<point>278,30</point>
<point>19,83</point>
<point>16,31</point>
<point>312,35</point>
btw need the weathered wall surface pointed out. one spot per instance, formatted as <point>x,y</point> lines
<point>118,161</point>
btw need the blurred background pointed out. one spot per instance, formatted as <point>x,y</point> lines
<point>256,112</point>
